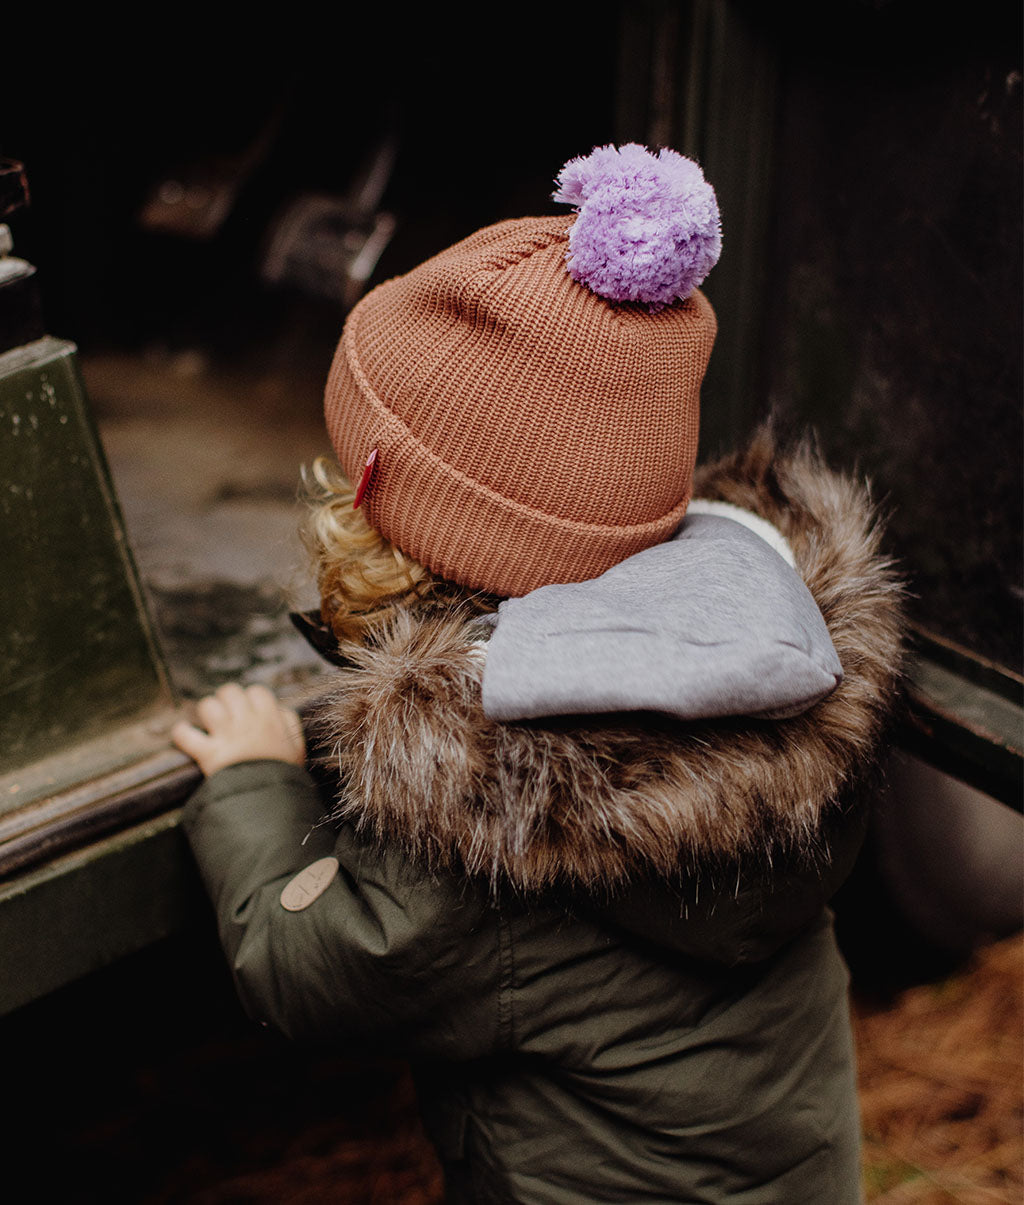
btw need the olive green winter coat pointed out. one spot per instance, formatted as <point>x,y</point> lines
<point>603,945</point>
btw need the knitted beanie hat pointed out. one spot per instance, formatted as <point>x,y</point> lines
<point>522,408</point>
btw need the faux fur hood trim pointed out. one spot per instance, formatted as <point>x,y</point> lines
<point>595,802</point>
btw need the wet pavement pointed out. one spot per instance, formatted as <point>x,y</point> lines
<point>206,463</point>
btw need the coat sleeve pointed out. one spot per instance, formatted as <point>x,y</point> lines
<point>387,959</point>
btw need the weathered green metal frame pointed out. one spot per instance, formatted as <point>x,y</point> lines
<point>78,654</point>
<point>80,912</point>
<point>99,870</point>
<point>84,752</point>
<point>965,716</point>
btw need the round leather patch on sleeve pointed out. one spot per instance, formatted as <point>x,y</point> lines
<point>309,884</point>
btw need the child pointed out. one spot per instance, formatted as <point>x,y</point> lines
<point>591,748</point>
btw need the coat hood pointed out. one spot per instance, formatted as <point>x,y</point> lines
<point>599,801</point>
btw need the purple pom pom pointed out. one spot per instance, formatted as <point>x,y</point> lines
<point>647,227</point>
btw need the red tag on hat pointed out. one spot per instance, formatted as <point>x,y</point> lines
<point>364,481</point>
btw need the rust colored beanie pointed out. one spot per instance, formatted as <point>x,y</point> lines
<point>527,428</point>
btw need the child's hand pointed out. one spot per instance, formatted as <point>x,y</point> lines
<point>241,725</point>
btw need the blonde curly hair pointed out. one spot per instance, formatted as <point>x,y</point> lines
<point>363,579</point>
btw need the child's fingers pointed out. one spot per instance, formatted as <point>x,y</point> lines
<point>212,712</point>
<point>292,722</point>
<point>190,740</point>
<point>233,699</point>
<point>242,724</point>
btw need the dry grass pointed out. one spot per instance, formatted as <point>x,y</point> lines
<point>941,1087</point>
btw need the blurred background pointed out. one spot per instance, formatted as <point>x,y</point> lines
<point>221,187</point>
<point>208,193</point>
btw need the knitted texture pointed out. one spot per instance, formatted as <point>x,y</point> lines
<point>528,431</point>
